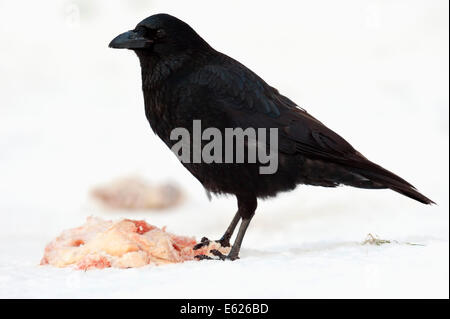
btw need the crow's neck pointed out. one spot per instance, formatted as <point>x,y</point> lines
<point>156,73</point>
<point>158,76</point>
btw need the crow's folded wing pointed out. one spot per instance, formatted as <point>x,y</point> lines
<point>250,102</point>
<point>245,100</point>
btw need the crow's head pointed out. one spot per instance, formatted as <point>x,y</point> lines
<point>160,35</point>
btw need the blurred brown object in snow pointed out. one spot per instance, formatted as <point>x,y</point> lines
<point>134,193</point>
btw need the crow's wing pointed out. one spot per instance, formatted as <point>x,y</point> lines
<point>250,102</point>
<point>247,101</point>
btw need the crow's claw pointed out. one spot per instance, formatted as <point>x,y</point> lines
<point>203,242</point>
<point>217,253</point>
<point>221,256</point>
<point>224,242</point>
<point>202,257</point>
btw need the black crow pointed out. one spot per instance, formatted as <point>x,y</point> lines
<point>185,79</point>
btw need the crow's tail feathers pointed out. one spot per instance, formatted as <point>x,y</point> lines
<point>382,178</point>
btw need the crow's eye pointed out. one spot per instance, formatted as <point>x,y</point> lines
<point>160,33</point>
<point>141,30</point>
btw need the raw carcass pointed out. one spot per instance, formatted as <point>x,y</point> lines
<point>123,244</point>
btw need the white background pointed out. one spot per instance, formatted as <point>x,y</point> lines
<point>71,116</point>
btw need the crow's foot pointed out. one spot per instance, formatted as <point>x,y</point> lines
<point>224,242</point>
<point>202,257</point>
<point>221,256</point>
<point>203,242</point>
<point>217,254</point>
<point>213,250</point>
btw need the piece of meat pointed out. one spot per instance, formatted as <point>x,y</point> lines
<point>122,244</point>
<point>133,193</point>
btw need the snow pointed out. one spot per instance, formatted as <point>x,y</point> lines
<point>72,117</point>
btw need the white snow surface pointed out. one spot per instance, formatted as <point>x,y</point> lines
<point>72,117</point>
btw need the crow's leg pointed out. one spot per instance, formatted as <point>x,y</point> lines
<point>234,253</point>
<point>247,206</point>
<point>225,240</point>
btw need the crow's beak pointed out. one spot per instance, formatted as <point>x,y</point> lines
<point>130,40</point>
